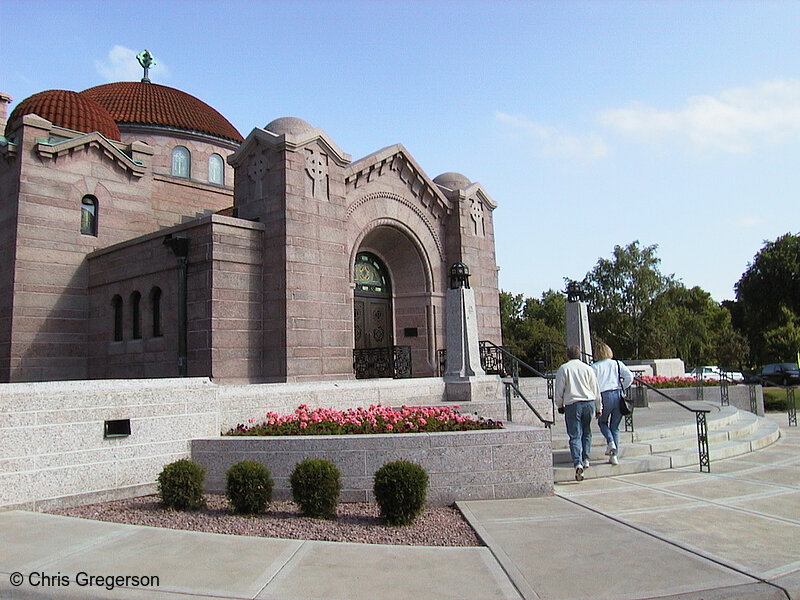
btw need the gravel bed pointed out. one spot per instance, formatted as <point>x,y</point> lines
<point>357,522</point>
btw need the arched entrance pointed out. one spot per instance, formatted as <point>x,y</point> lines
<point>372,318</point>
<point>372,305</point>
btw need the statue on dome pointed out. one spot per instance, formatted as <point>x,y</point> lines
<point>146,60</point>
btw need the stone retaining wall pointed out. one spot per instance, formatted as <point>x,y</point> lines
<point>52,446</point>
<point>515,462</point>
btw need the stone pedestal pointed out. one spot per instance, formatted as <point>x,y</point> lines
<point>578,333</point>
<point>465,379</point>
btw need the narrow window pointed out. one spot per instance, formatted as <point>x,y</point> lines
<point>181,160</point>
<point>89,215</point>
<point>116,304</point>
<point>216,169</point>
<point>155,310</point>
<point>136,315</point>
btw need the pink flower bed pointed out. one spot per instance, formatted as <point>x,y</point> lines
<point>375,419</point>
<point>673,382</point>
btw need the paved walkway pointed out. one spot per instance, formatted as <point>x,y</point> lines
<point>734,533</point>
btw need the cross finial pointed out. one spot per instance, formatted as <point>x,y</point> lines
<point>146,60</point>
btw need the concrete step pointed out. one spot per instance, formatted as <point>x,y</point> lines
<point>730,433</point>
<point>640,464</point>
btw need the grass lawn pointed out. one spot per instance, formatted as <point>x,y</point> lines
<point>775,399</point>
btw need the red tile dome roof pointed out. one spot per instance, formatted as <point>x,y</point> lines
<point>144,103</point>
<point>66,109</point>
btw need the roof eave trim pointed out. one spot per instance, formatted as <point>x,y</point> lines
<point>478,191</point>
<point>94,139</point>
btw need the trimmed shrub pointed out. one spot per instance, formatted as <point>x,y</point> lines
<point>180,485</point>
<point>315,487</point>
<point>400,490</point>
<point>248,487</point>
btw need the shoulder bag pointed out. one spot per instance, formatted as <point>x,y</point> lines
<point>625,405</point>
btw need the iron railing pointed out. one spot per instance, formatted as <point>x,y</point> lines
<point>702,425</point>
<point>496,360</point>
<point>497,356</point>
<point>390,361</point>
<point>791,407</point>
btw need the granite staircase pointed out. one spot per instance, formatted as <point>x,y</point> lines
<point>666,438</point>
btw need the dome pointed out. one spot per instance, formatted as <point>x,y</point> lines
<point>291,125</point>
<point>66,109</point>
<point>140,103</point>
<point>452,180</point>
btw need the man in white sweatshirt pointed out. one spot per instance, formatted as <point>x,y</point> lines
<point>577,396</point>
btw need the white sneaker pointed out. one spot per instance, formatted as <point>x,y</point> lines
<point>611,447</point>
<point>613,460</point>
<point>585,465</point>
<point>579,473</point>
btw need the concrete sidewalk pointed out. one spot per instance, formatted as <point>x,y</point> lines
<point>734,533</point>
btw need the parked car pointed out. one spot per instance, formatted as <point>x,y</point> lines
<point>781,374</point>
<point>714,373</point>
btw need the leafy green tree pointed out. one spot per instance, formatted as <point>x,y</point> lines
<point>783,342</point>
<point>689,324</point>
<point>529,323</point>
<point>770,284</point>
<point>619,290</point>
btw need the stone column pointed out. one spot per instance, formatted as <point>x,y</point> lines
<point>578,333</point>
<point>464,378</point>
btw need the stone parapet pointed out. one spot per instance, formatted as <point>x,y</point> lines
<point>515,462</point>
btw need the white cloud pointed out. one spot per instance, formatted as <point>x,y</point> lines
<point>552,142</point>
<point>121,65</point>
<point>747,222</point>
<point>733,121</point>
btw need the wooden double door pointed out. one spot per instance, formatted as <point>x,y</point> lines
<point>372,322</point>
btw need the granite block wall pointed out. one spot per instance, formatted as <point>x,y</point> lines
<point>224,307</point>
<point>53,452</point>
<point>52,446</point>
<point>478,465</point>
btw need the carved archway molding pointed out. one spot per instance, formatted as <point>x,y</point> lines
<point>408,204</point>
<point>405,230</point>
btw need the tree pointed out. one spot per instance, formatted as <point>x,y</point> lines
<point>770,284</point>
<point>689,324</point>
<point>529,323</point>
<point>619,291</point>
<point>782,342</point>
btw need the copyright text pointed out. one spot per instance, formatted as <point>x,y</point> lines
<point>83,579</point>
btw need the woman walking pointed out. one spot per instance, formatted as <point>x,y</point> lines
<point>612,377</point>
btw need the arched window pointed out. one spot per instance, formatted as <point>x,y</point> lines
<point>370,275</point>
<point>181,161</point>
<point>89,215</point>
<point>155,311</point>
<point>216,169</point>
<point>136,315</point>
<point>116,305</point>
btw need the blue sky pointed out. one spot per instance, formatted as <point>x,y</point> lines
<point>591,124</point>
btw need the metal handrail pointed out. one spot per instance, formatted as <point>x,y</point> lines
<point>505,352</point>
<point>514,383</point>
<point>509,386</point>
<point>702,425</point>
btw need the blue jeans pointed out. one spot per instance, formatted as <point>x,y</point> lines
<point>578,417</point>
<point>609,420</point>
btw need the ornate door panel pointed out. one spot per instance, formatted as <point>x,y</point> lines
<point>372,319</point>
<point>372,322</point>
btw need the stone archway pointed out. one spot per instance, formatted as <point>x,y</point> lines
<point>373,322</point>
<point>392,303</point>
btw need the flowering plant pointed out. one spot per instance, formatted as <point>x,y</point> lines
<point>660,382</point>
<point>375,419</point>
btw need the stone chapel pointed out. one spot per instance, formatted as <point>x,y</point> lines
<point>142,236</point>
